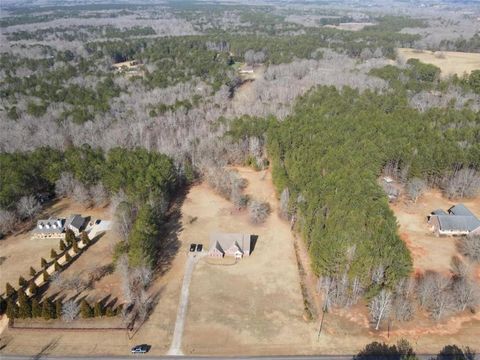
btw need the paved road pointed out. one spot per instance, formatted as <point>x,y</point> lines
<point>146,357</point>
<point>176,346</point>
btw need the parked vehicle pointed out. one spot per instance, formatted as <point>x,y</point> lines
<point>140,349</point>
<point>199,247</point>
<point>193,247</point>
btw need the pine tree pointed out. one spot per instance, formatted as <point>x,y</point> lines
<point>22,281</point>
<point>3,305</point>
<point>53,254</point>
<point>46,276</point>
<point>68,257</point>
<point>69,237</point>
<point>119,309</point>
<point>12,309</point>
<point>58,309</point>
<point>32,287</point>
<point>109,312</point>
<point>36,308</point>
<point>47,309</point>
<point>33,272</point>
<point>62,245</point>
<point>75,247</point>
<point>9,289</point>
<point>98,310</point>
<point>24,308</point>
<point>86,309</point>
<point>84,237</point>
<point>56,266</point>
<point>43,263</point>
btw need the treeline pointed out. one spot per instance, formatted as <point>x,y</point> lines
<point>81,33</point>
<point>145,180</point>
<point>329,155</point>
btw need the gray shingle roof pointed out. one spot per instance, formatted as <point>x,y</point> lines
<point>461,210</point>
<point>75,221</point>
<point>458,223</point>
<point>439,212</point>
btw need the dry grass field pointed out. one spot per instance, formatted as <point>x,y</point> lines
<point>255,306</point>
<point>449,62</point>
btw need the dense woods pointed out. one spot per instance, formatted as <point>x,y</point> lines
<point>329,155</point>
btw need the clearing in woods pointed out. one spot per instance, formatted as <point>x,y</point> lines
<point>449,62</point>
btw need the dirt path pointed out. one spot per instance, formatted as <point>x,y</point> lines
<point>175,348</point>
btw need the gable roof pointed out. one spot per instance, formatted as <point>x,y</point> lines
<point>458,223</point>
<point>439,212</point>
<point>75,221</point>
<point>50,226</point>
<point>461,210</point>
<point>224,241</point>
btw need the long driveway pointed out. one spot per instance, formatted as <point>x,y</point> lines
<point>175,347</point>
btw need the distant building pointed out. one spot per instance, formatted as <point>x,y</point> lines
<point>50,228</point>
<point>246,70</point>
<point>75,223</point>
<point>458,220</point>
<point>229,244</point>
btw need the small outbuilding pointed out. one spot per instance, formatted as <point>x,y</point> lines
<point>50,228</point>
<point>229,244</point>
<point>75,223</point>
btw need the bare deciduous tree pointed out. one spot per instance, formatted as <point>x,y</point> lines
<point>463,183</point>
<point>415,188</point>
<point>466,294</point>
<point>380,307</point>
<point>81,194</point>
<point>70,310</point>
<point>8,221</point>
<point>65,184</point>
<point>284,200</point>
<point>99,195</point>
<point>258,211</point>
<point>470,247</point>
<point>28,207</point>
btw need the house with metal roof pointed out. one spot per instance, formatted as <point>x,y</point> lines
<point>50,228</point>
<point>458,220</point>
<point>229,244</point>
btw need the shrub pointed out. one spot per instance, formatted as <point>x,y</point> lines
<point>98,310</point>
<point>3,305</point>
<point>470,247</point>
<point>36,308</point>
<point>47,310</point>
<point>70,310</point>
<point>75,247</point>
<point>68,257</point>
<point>84,238</point>
<point>69,237</point>
<point>53,254</point>
<point>109,312</point>
<point>9,289</point>
<point>62,245</point>
<point>12,309</point>
<point>22,281</point>
<point>43,263</point>
<point>33,272</point>
<point>32,287</point>
<point>58,308</point>
<point>258,211</point>
<point>24,307</point>
<point>86,309</point>
<point>56,266</point>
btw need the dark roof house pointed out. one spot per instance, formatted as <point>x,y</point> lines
<point>75,223</point>
<point>458,221</point>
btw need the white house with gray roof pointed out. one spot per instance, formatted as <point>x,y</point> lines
<point>458,220</point>
<point>229,244</point>
<point>50,228</point>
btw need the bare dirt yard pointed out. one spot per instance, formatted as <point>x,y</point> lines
<point>449,62</point>
<point>429,252</point>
